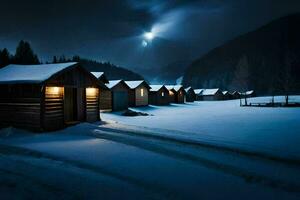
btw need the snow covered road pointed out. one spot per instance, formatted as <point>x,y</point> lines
<point>90,161</point>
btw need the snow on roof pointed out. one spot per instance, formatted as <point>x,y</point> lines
<point>187,89</point>
<point>174,87</point>
<point>31,73</point>
<point>134,84</point>
<point>169,87</point>
<point>177,87</point>
<point>198,91</point>
<point>225,92</point>
<point>112,83</point>
<point>250,92</point>
<point>155,88</point>
<point>97,74</point>
<point>209,91</point>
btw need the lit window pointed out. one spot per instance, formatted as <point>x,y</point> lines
<point>91,91</point>
<point>170,92</point>
<point>54,90</point>
<point>162,94</point>
<point>142,92</point>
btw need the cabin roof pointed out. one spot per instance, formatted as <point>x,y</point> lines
<point>225,92</point>
<point>198,91</point>
<point>31,73</point>
<point>97,74</point>
<point>113,83</point>
<point>174,87</point>
<point>155,88</point>
<point>135,84</point>
<point>209,91</point>
<point>249,92</point>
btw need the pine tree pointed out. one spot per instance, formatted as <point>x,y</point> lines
<point>54,59</point>
<point>5,58</point>
<point>25,55</point>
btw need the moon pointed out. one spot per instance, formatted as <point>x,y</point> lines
<point>149,36</point>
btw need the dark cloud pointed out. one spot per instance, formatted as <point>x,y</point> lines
<point>112,29</point>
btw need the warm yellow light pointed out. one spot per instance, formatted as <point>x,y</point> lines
<point>53,90</point>
<point>91,91</point>
<point>170,92</point>
<point>162,94</point>
<point>142,92</point>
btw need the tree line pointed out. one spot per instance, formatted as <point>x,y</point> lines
<point>23,55</point>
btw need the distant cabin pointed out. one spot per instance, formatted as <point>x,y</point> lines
<point>105,98</point>
<point>198,93</point>
<point>119,94</point>
<point>190,95</point>
<point>227,95</point>
<point>159,95</point>
<point>176,93</point>
<point>138,93</point>
<point>235,95</point>
<point>211,94</point>
<point>250,93</point>
<point>49,96</point>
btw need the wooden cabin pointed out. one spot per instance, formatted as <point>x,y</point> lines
<point>119,94</point>
<point>212,94</point>
<point>105,99</point>
<point>176,93</point>
<point>138,94</point>
<point>48,97</point>
<point>226,95</point>
<point>190,95</point>
<point>159,95</point>
<point>236,95</point>
<point>198,93</point>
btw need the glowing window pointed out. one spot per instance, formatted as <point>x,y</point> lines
<point>54,90</point>
<point>142,92</point>
<point>91,91</point>
<point>162,94</point>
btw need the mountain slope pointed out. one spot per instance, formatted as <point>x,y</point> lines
<point>111,71</point>
<point>267,60</point>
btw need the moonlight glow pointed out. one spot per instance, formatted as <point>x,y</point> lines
<point>149,36</point>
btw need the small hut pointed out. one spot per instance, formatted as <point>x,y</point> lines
<point>158,95</point>
<point>190,94</point>
<point>236,95</point>
<point>105,94</point>
<point>176,93</point>
<point>227,95</point>
<point>48,96</point>
<point>212,94</point>
<point>138,93</point>
<point>119,94</point>
<point>250,93</point>
<point>198,93</point>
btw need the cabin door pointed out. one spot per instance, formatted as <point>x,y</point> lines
<point>74,104</point>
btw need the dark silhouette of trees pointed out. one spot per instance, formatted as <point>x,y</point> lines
<point>25,55</point>
<point>5,58</point>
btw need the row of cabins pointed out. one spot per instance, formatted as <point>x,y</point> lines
<point>217,94</point>
<point>51,96</point>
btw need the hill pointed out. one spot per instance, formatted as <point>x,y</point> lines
<point>266,60</point>
<point>111,71</point>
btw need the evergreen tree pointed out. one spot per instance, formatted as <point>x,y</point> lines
<point>54,59</point>
<point>25,55</point>
<point>5,58</point>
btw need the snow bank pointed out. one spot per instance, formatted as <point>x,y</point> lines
<point>272,130</point>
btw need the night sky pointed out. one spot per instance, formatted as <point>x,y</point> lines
<point>115,30</point>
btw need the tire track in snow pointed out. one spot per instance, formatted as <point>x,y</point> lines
<point>247,175</point>
<point>155,189</point>
<point>197,144</point>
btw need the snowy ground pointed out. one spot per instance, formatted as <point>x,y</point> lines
<point>269,130</point>
<point>119,161</point>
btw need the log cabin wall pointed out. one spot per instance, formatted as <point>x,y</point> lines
<point>105,100</point>
<point>92,105</point>
<point>20,106</point>
<point>180,96</point>
<point>53,109</point>
<point>141,96</point>
<point>131,98</point>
